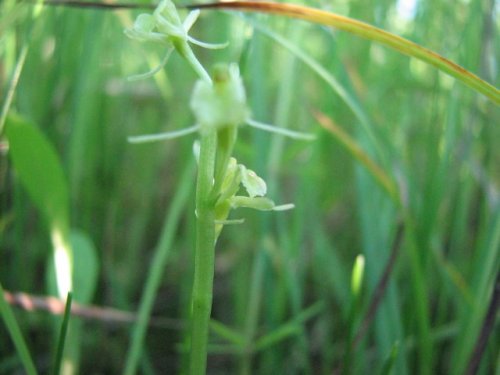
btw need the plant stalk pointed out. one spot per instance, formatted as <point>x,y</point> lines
<point>201,300</point>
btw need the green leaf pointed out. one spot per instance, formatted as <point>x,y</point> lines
<point>62,335</point>
<point>38,168</point>
<point>85,266</point>
<point>15,334</point>
<point>389,362</point>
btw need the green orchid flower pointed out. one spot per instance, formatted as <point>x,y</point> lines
<point>220,105</point>
<point>165,26</point>
<point>237,176</point>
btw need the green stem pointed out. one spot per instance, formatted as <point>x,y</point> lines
<point>201,300</point>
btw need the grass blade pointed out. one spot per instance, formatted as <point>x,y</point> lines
<point>288,329</point>
<point>16,335</point>
<point>390,360</point>
<point>364,30</point>
<point>62,335</point>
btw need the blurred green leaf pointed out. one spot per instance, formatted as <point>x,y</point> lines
<point>85,266</point>
<point>15,334</point>
<point>62,335</point>
<point>39,170</point>
<point>390,360</point>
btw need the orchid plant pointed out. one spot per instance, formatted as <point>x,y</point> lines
<point>220,107</point>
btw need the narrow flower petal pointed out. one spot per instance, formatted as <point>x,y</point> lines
<point>257,203</point>
<point>284,207</point>
<point>191,19</point>
<point>285,132</point>
<point>229,222</point>
<point>153,71</point>
<point>207,45</point>
<point>163,136</point>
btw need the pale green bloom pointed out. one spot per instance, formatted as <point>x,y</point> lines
<point>165,26</point>
<point>221,107</point>
<point>237,176</point>
<point>221,104</point>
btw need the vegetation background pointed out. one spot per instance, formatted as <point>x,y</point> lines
<point>283,280</point>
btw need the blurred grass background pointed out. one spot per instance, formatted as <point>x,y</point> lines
<point>438,139</point>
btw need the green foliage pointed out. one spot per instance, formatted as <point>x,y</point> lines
<point>397,141</point>
<point>15,335</point>
<point>37,166</point>
<point>86,270</point>
<point>62,335</point>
